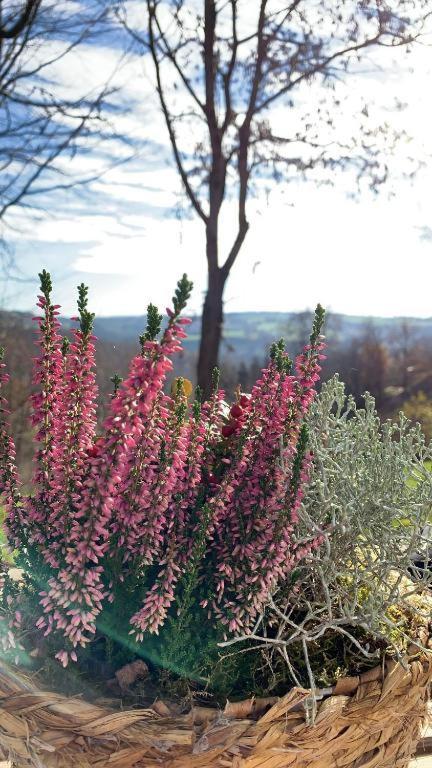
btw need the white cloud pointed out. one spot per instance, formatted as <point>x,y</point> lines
<point>307,244</point>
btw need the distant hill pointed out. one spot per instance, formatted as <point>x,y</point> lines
<point>246,334</point>
<point>249,334</point>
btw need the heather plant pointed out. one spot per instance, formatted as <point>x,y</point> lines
<point>369,498</point>
<point>180,506</point>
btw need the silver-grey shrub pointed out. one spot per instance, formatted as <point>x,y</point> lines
<point>370,497</point>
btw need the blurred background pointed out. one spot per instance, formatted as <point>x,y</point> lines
<point>280,154</point>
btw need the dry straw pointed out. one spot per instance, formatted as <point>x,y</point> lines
<point>372,721</point>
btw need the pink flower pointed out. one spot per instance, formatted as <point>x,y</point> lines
<point>174,491</point>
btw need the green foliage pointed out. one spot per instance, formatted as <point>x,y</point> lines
<point>65,346</point>
<point>215,378</point>
<point>154,320</point>
<point>116,381</point>
<point>86,317</point>
<point>361,466</point>
<point>82,298</point>
<point>279,355</point>
<point>183,655</point>
<point>419,408</point>
<point>182,294</point>
<point>317,323</point>
<point>370,521</point>
<point>197,403</point>
<point>45,284</point>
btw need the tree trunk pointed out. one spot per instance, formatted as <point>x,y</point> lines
<point>211,329</point>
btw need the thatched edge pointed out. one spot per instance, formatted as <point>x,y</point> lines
<point>378,715</point>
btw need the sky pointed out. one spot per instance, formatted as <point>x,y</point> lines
<point>130,235</point>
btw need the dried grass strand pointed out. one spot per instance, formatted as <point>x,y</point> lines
<point>371,721</point>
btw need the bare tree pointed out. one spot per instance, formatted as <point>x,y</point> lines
<point>223,69</point>
<point>42,119</point>
<point>406,352</point>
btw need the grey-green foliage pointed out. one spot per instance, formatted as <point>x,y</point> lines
<point>369,479</point>
<point>370,497</point>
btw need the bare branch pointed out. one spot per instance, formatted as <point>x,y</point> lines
<point>151,7</point>
<point>244,138</point>
<point>210,70</point>
<point>25,20</point>
<point>171,55</point>
<point>323,66</point>
<point>38,124</point>
<point>166,50</point>
<point>227,75</point>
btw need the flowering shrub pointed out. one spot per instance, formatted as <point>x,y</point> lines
<point>175,498</point>
<point>369,496</point>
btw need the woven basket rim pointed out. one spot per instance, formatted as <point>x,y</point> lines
<point>71,730</point>
<point>22,682</point>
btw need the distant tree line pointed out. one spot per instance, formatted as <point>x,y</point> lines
<point>395,366</point>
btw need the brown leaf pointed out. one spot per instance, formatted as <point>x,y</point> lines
<point>203,715</point>
<point>130,673</point>
<point>161,708</point>
<point>248,708</point>
<point>346,686</point>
